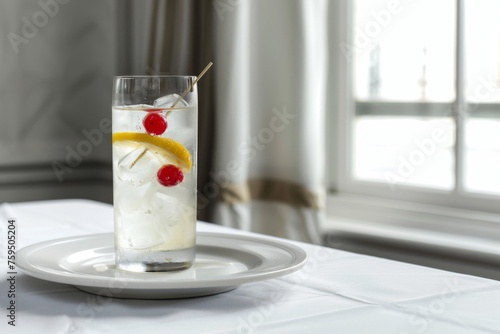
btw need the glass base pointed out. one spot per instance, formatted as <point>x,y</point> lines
<point>147,261</point>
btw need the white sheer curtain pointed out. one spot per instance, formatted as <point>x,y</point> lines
<point>271,74</point>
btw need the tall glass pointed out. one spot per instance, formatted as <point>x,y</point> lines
<point>154,172</point>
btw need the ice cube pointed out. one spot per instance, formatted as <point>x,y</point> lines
<point>169,100</point>
<point>139,230</point>
<point>138,167</point>
<point>129,197</point>
<point>163,207</point>
<point>179,230</point>
<point>169,204</point>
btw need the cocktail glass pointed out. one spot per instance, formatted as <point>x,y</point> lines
<point>155,124</point>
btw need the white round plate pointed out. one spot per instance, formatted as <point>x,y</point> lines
<point>223,261</point>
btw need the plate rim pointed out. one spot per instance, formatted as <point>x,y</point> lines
<point>299,259</point>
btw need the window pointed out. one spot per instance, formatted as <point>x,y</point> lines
<point>422,103</point>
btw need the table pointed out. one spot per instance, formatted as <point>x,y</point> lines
<point>336,292</point>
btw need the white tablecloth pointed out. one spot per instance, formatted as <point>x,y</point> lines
<point>337,292</point>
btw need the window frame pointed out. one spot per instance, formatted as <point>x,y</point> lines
<point>340,141</point>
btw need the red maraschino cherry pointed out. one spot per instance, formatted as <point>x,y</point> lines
<point>169,175</point>
<point>155,124</point>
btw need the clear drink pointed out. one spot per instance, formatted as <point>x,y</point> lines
<point>154,173</point>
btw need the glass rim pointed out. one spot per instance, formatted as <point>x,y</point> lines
<point>152,76</point>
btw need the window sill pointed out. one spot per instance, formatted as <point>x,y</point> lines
<point>451,239</point>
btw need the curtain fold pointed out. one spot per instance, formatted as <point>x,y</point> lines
<point>265,108</point>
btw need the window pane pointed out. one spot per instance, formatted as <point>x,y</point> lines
<point>405,151</point>
<point>404,52</point>
<point>482,129</point>
<point>482,50</point>
<point>483,155</point>
<point>404,56</point>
